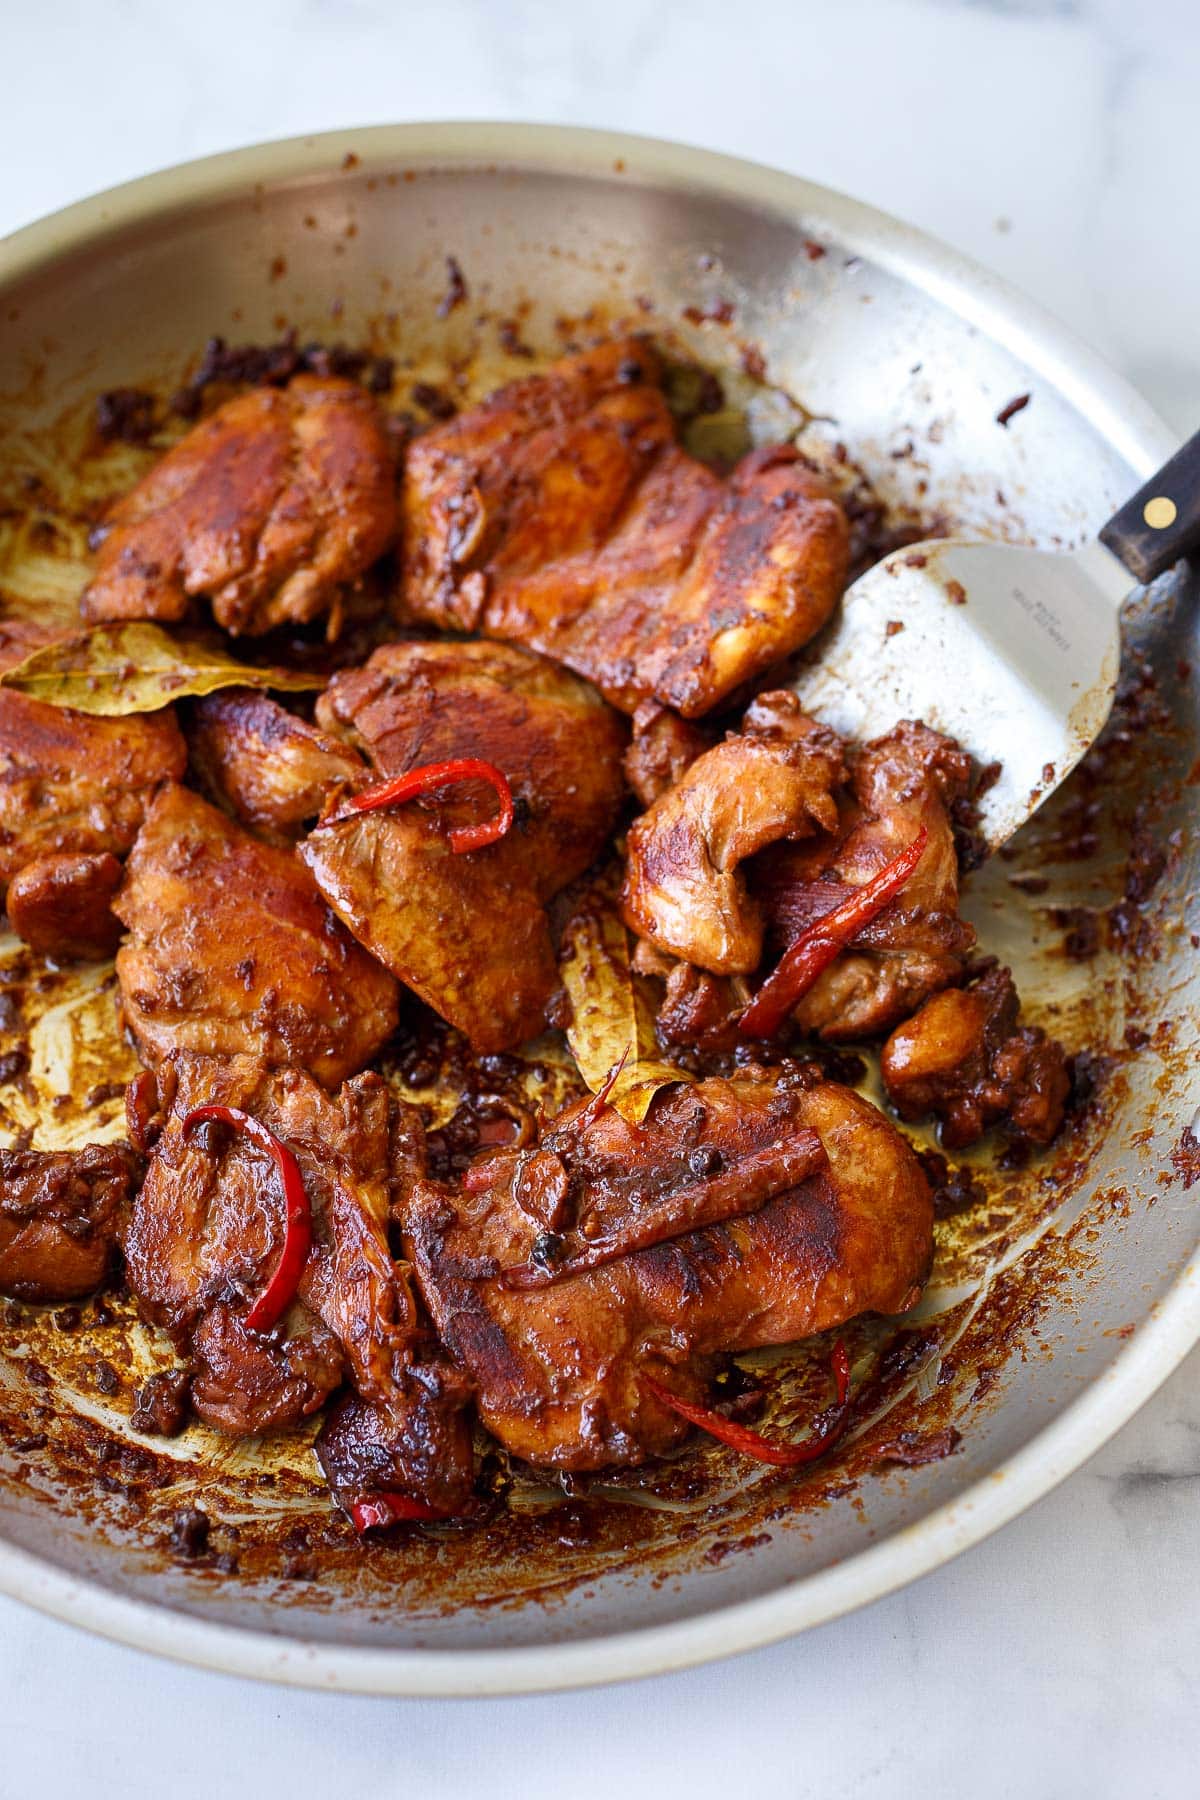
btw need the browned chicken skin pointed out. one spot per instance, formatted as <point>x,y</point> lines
<point>231,949</point>
<point>76,785</point>
<point>966,1059</point>
<point>469,933</point>
<point>664,746</point>
<point>73,793</point>
<point>561,514</point>
<point>62,905</point>
<point>209,1221</point>
<point>60,1215</point>
<point>272,770</point>
<point>557,1367</point>
<point>918,944</point>
<point>684,889</point>
<point>269,508</point>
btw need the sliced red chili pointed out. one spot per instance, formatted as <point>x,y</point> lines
<point>280,1290</point>
<point>825,939</point>
<point>427,778</point>
<point>753,1443</point>
<point>375,1512</point>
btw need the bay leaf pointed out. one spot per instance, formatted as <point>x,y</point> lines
<point>611,1018</point>
<point>138,667</point>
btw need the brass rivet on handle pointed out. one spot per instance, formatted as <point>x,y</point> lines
<point>1159,512</point>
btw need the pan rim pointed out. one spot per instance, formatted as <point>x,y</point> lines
<point>1135,432</point>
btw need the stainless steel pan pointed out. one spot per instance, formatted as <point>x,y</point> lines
<point>1057,1307</point>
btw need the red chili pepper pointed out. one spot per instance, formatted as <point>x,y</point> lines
<point>424,780</point>
<point>375,1512</point>
<point>825,939</point>
<point>753,1443</point>
<point>280,1290</point>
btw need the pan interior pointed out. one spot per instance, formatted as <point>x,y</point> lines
<point>1037,1285</point>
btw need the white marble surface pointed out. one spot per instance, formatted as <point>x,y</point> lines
<point>1058,141</point>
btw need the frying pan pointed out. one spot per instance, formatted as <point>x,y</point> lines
<point>1059,1301</point>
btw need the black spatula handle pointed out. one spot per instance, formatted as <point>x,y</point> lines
<point>1162,521</point>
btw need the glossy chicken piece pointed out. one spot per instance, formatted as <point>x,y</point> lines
<point>269,508</point>
<point>272,770</point>
<point>70,781</point>
<point>61,1212</point>
<point>469,933</point>
<point>684,889</point>
<point>557,1367</point>
<point>209,1221</point>
<point>966,1059</point>
<point>62,905</point>
<point>664,747</point>
<point>561,514</point>
<point>918,944</point>
<point>697,1006</point>
<point>417,1444</point>
<point>73,792</point>
<point>231,949</point>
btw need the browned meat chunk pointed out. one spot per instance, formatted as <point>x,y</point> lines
<point>767,1210</point>
<point>272,770</point>
<point>966,1059</point>
<point>62,905</point>
<point>269,508</point>
<point>663,747</point>
<point>469,933</point>
<point>918,944</point>
<point>73,784</point>
<point>231,948</point>
<point>417,1444</point>
<point>60,1215</point>
<point>244,1384</point>
<point>209,1221</point>
<point>684,888</point>
<point>697,1005</point>
<point>561,514</point>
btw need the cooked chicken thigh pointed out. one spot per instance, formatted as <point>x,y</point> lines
<point>61,1212</point>
<point>272,770</point>
<point>684,889</point>
<point>73,792</point>
<point>469,933</point>
<point>62,905</point>
<point>231,948</point>
<point>209,1222</point>
<point>74,789</point>
<point>269,508</point>
<point>743,1213</point>
<point>561,514</point>
<point>966,1059</point>
<point>664,746</point>
<point>900,784</point>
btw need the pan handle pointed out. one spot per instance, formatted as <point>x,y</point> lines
<point>1162,522</point>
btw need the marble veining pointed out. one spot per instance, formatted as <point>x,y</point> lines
<point>1055,140</point>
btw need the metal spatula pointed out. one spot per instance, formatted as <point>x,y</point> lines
<point>1014,652</point>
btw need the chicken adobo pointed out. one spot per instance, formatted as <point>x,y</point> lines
<point>574,710</point>
<point>270,508</point>
<point>563,515</point>
<point>747,1212</point>
<point>230,948</point>
<point>469,933</point>
<point>74,790</point>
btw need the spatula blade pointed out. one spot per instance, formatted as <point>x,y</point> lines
<point>1014,652</point>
